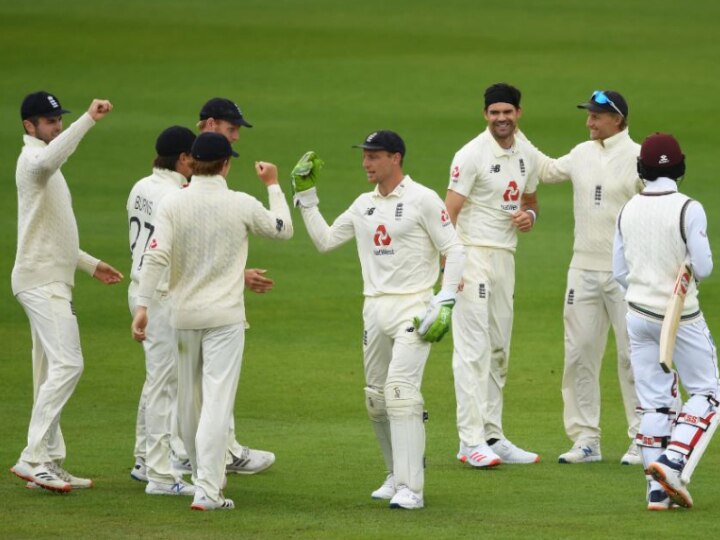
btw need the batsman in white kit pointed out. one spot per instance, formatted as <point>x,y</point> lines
<point>202,235</point>
<point>400,228</point>
<point>157,411</point>
<point>659,232</point>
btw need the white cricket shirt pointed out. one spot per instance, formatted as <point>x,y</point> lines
<point>142,208</point>
<point>399,238</point>
<point>493,180</point>
<point>48,247</point>
<point>604,177</point>
<point>201,233</point>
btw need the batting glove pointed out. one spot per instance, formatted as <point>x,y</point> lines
<point>303,176</point>
<point>436,322</point>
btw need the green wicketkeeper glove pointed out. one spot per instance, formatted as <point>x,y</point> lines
<point>436,321</point>
<point>303,176</point>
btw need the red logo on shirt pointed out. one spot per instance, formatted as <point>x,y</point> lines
<point>512,193</point>
<point>382,238</point>
<point>455,174</point>
<point>444,216</point>
<point>153,244</point>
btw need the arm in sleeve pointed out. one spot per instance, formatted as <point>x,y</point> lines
<point>554,171</point>
<point>619,264</point>
<point>327,237</point>
<point>50,158</point>
<point>275,223</point>
<point>436,222</point>
<point>698,245</point>
<point>156,258</point>
<point>87,263</point>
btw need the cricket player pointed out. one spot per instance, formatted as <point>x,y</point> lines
<point>659,230</point>
<point>158,402</point>
<point>222,115</point>
<point>490,197</point>
<point>206,259</point>
<point>48,254</point>
<point>400,229</point>
<point>604,176</point>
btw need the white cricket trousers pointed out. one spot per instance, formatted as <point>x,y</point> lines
<point>57,365</point>
<point>481,326</point>
<point>394,361</point>
<point>208,374</point>
<point>157,409</point>
<point>594,301</point>
<point>694,359</point>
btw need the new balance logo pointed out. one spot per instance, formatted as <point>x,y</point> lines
<point>494,168</point>
<point>370,211</point>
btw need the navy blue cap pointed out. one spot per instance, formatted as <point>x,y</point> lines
<point>174,141</point>
<point>41,104</point>
<point>383,140</point>
<point>223,109</point>
<point>211,147</point>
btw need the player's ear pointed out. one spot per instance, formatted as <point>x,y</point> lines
<point>29,127</point>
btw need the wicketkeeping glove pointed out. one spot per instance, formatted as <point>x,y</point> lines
<point>436,321</point>
<point>303,176</point>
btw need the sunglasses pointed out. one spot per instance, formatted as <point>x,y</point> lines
<point>600,97</point>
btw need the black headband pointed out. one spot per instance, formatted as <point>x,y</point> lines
<point>502,93</point>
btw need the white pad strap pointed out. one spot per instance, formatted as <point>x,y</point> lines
<point>405,409</point>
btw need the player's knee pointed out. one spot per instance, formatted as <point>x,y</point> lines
<point>403,399</point>
<point>375,404</point>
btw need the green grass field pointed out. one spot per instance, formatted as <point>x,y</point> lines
<point>321,74</point>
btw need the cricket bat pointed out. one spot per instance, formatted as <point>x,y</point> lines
<point>668,333</point>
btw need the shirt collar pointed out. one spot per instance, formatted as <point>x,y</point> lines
<point>499,151</point>
<point>215,180</point>
<point>171,176</point>
<point>661,185</point>
<point>615,140</point>
<point>397,192</point>
<point>29,140</point>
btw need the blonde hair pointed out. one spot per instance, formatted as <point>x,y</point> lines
<point>207,168</point>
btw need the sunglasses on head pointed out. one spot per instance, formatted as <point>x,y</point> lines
<point>600,97</point>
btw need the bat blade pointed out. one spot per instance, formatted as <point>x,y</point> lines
<point>669,329</point>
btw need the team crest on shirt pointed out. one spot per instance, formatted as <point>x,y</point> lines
<point>522,167</point>
<point>398,211</point>
<point>455,174</point>
<point>382,240</point>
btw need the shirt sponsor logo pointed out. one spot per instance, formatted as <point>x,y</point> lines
<point>455,174</point>
<point>370,211</point>
<point>444,217</point>
<point>153,244</point>
<point>382,239</point>
<point>512,193</point>
<point>495,168</point>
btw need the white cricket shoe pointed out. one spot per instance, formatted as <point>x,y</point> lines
<point>632,456</point>
<point>509,453</point>
<point>250,461</point>
<point>582,452</point>
<point>75,481</point>
<point>667,473</point>
<point>659,501</point>
<point>480,456</point>
<point>178,488</point>
<point>43,475</point>
<point>202,502</point>
<point>180,466</point>
<point>387,490</point>
<point>139,470</point>
<point>407,499</point>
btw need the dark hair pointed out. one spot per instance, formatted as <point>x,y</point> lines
<point>34,120</point>
<point>166,162</point>
<point>653,173</point>
<point>207,168</point>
